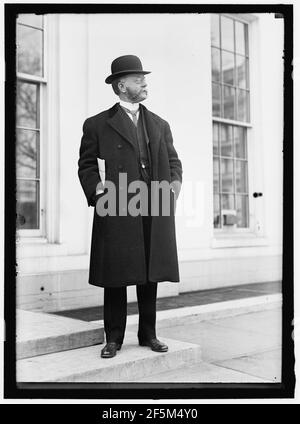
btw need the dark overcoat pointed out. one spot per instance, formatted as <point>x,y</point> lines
<point>117,249</point>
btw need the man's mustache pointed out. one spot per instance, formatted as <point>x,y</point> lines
<point>134,96</point>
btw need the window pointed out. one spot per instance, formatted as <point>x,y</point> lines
<point>231,117</point>
<point>30,86</point>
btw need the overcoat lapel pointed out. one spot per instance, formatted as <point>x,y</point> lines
<point>118,123</point>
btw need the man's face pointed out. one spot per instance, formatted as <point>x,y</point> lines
<point>135,87</point>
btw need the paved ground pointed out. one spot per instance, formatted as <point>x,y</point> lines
<point>238,344</point>
<point>240,348</point>
<point>201,297</point>
<point>243,348</point>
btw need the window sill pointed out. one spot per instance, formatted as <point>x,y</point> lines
<point>39,246</point>
<point>31,240</point>
<point>238,240</point>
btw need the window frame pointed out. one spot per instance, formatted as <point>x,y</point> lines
<point>233,193</point>
<point>220,83</point>
<point>233,230</point>
<point>41,82</point>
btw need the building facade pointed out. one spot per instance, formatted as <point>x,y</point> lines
<point>218,81</point>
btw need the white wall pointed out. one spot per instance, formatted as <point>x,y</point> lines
<point>176,48</point>
<point>178,54</point>
<point>271,61</point>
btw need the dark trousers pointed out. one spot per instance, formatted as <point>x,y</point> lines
<point>115,301</point>
<point>115,312</point>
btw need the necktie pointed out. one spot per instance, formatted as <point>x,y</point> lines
<point>144,154</point>
<point>133,113</point>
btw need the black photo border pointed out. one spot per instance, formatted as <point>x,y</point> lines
<point>14,390</point>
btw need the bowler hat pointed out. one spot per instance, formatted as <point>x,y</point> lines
<point>123,65</point>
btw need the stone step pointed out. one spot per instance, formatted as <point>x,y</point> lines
<point>132,362</point>
<point>41,334</point>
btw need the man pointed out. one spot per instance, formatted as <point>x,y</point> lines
<point>130,249</point>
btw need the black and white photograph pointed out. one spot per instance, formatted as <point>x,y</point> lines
<point>150,178</point>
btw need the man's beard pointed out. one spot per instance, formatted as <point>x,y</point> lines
<point>134,97</point>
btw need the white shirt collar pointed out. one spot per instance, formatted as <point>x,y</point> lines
<point>131,106</point>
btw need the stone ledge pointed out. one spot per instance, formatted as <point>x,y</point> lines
<point>86,365</point>
<point>40,334</point>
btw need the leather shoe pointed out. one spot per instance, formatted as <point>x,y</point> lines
<point>110,350</point>
<point>155,345</point>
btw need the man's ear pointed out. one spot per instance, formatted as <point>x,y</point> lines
<point>121,86</point>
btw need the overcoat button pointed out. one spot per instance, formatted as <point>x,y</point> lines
<point>120,146</point>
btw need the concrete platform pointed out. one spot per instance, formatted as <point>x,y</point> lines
<point>265,365</point>
<point>203,372</point>
<point>239,349</point>
<point>132,362</point>
<point>234,341</point>
<point>40,334</point>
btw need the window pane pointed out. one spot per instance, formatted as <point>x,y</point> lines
<point>217,220</point>
<point>227,34</point>
<point>27,98</point>
<point>226,140</point>
<point>241,72</point>
<point>215,30</point>
<point>30,50</point>
<point>228,68</point>
<point>215,63</point>
<point>230,73</point>
<point>242,211</point>
<point>240,142</point>
<point>215,139</point>
<point>228,96</point>
<point>241,176</point>
<point>240,39</point>
<point>31,19</point>
<point>216,99</point>
<point>227,175</point>
<point>227,201</point>
<point>26,154</point>
<point>216,176</point>
<point>28,204</point>
<point>242,105</point>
